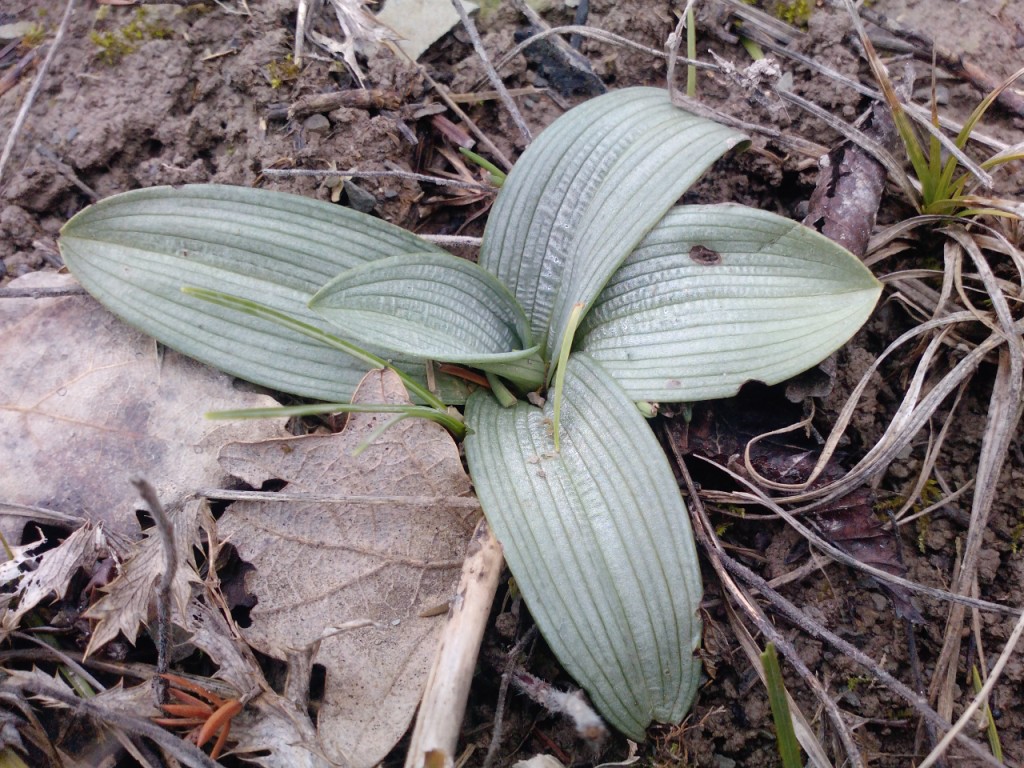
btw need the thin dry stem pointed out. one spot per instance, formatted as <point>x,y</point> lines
<point>441,181</point>
<point>165,529</point>
<point>26,105</point>
<point>492,75</point>
<point>188,754</point>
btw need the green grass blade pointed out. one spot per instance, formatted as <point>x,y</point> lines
<point>255,309</point>
<point>789,747</point>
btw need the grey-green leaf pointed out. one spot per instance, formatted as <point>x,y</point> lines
<point>599,541</point>
<point>135,252</point>
<point>431,305</point>
<point>584,194</point>
<point>717,295</point>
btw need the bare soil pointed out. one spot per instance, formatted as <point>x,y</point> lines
<point>197,96</point>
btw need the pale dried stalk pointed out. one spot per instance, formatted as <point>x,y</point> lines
<point>1004,414</point>
<point>26,105</point>
<point>436,733</point>
<point>705,533</point>
<point>492,75</point>
<point>980,699</point>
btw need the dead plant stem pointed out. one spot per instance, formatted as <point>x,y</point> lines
<point>187,753</point>
<point>165,529</point>
<point>492,75</point>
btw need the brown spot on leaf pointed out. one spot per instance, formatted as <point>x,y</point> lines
<point>701,254</point>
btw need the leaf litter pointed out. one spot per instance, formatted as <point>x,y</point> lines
<point>350,578</point>
<point>86,402</point>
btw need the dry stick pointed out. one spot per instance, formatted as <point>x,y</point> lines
<point>601,36</point>
<point>41,293</point>
<point>807,624</point>
<point>716,553</point>
<point>436,734</point>
<point>492,75</point>
<point>474,242</point>
<point>796,143</point>
<point>482,137</point>
<point>672,47</point>
<point>441,181</point>
<point>165,530</point>
<point>184,751</point>
<point>922,116</point>
<point>19,121</point>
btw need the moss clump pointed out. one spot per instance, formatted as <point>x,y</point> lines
<point>115,44</point>
<point>281,71</point>
<point>795,12</point>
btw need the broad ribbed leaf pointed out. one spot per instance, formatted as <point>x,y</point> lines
<point>431,305</point>
<point>717,295</point>
<point>134,252</point>
<point>584,194</point>
<point>599,541</point>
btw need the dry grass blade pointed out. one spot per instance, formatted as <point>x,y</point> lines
<point>1006,405</point>
<point>714,550</point>
<point>705,533</point>
<point>980,699</point>
<point>755,496</point>
<point>804,732</point>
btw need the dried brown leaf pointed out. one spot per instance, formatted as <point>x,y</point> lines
<point>126,604</point>
<point>56,567</point>
<point>376,562</point>
<point>85,402</point>
<point>271,731</point>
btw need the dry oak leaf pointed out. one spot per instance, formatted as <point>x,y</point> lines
<point>53,573</point>
<point>387,546</point>
<point>86,402</point>
<point>128,599</point>
<point>271,731</point>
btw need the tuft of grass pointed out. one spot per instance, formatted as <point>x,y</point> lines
<point>789,747</point>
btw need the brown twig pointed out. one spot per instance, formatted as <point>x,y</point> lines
<point>165,529</point>
<point>12,75</point>
<point>441,181</point>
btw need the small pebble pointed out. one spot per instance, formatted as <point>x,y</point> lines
<point>358,198</point>
<point>316,124</point>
